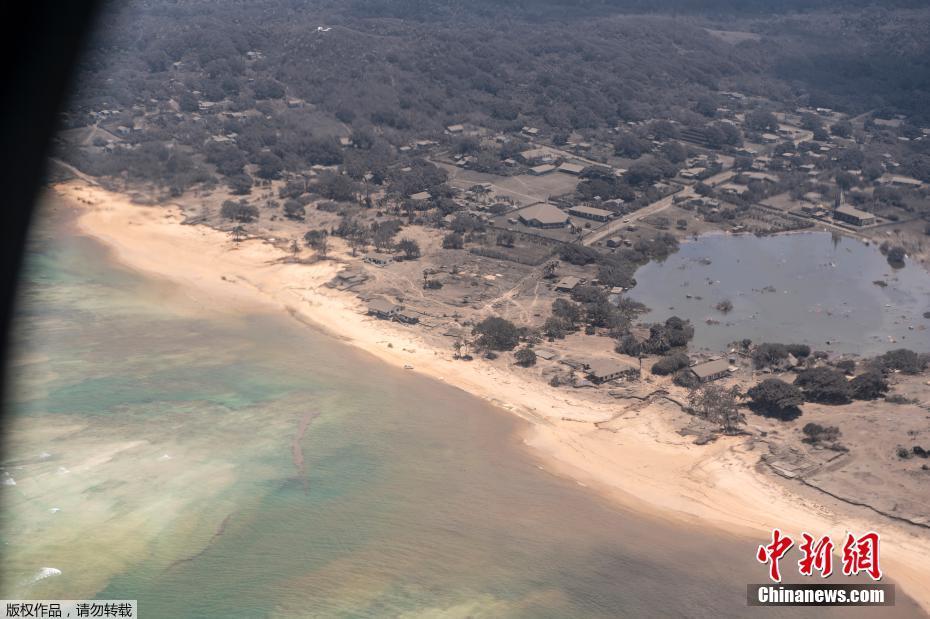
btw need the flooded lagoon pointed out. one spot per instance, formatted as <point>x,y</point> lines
<point>813,288</point>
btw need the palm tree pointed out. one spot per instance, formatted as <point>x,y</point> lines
<point>238,232</point>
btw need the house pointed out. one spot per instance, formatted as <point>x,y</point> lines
<point>379,259</point>
<point>760,176</point>
<point>455,128</point>
<point>588,212</point>
<point>898,180</point>
<point>604,370</point>
<point>383,309</point>
<point>530,131</point>
<point>536,156</point>
<point>423,196</point>
<point>575,169</point>
<point>567,284</point>
<point>853,215</point>
<point>543,215</point>
<point>542,169</point>
<point>711,370</point>
<point>692,173</point>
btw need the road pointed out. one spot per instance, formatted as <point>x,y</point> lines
<point>651,209</point>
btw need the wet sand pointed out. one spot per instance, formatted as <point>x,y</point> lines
<point>644,465</point>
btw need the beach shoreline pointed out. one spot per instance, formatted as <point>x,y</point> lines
<point>642,463</point>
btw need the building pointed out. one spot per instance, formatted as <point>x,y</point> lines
<point>423,196</point>
<point>379,259</point>
<point>383,309</point>
<point>542,169</point>
<point>605,370</point>
<point>575,169</point>
<point>455,128</point>
<point>531,131</point>
<point>588,212</point>
<point>711,370</point>
<point>567,284</point>
<point>536,156</point>
<point>897,180</point>
<point>853,216</point>
<point>543,215</point>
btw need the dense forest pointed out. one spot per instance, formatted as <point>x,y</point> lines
<point>395,70</point>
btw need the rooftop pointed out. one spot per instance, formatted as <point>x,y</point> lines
<point>710,368</point>
<point>544,213</point>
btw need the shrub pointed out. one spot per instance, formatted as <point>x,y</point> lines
<point>495,333</point>
<point>453,240</point>
<point>824,385</point>
<point>670,364</point>
<point>816,434</point>
<point>525,357</point>
<point>776,398</point>
<point>767,354</point>
<point>869,385</point>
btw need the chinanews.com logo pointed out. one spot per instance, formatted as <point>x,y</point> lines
<point>858,555</point>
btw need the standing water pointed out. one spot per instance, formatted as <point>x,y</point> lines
<point>222,466</point>
<point>833,293</point>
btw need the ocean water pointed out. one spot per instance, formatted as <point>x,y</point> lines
<point>811,288</point>
<point>248,466</point>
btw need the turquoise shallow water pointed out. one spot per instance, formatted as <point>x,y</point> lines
<point>217,466</point>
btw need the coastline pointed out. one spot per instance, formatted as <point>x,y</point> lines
<point>642,463</point>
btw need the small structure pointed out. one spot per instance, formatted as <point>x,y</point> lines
<point>383,309</point>
<point>568,284</point>
<point>575,169</point>
<point>711,370</point>
<point>589,212</point>
<point>422,196</point>
<point>455,128</point>
<point>543,215</point>
<point>531,131</point>
<point>853,216</point>
<point>379,259</point>
<point>602,370</point>
<point>539,170</point>
<point>536,156</point>
<point>407,317</point>
<point>897,180</point>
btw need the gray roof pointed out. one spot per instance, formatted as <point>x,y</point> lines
<point>544,213</point>
<point>710,368</point>
<point>590,210</point>
<point>600,367</point>
<point>851,211</point>
<point>382,306</point>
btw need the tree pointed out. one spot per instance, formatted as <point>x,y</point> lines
<point>842,129</point>
<point>239,211</point>
<point>776,398</point>
<point>453,240</point>
<point>269,166</point>
<point>896,256</point>
<point>760,120</point>
<point>824,385</point>
<point>903,360</point>
<point>410,248</point>
<point>525,357</point>
<point>318,240</point>
<point>725,306</point>
<point>495,333</point>
<point>816,434</point>
<point>505,239</point>
<point>238,232</point>
<point>717,405</point>
<point>869,385</point>
<point>670,364</point>
<point>768,354</point>
<point>294,210</point>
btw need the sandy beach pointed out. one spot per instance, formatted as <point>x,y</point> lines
<point>641,462</point>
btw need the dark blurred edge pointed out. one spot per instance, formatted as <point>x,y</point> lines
<point>41,41</point>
